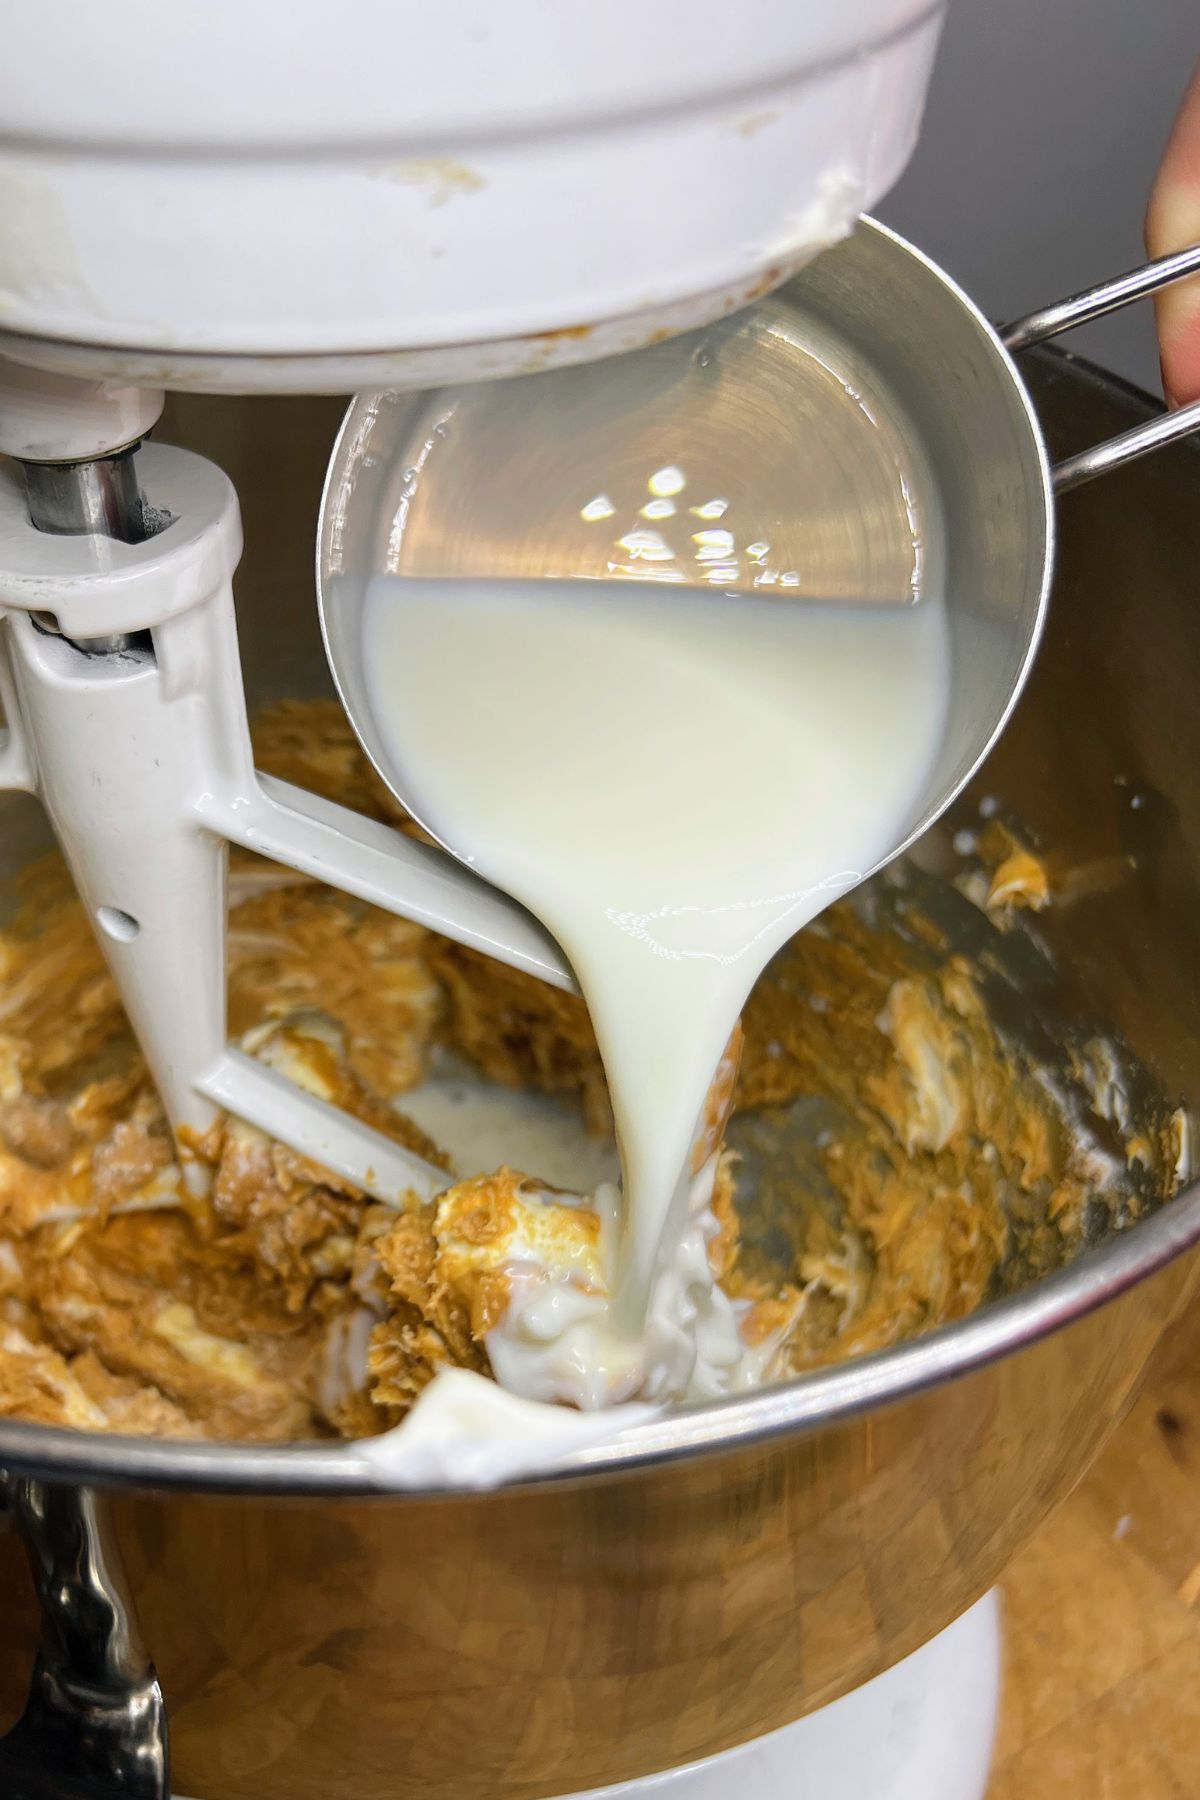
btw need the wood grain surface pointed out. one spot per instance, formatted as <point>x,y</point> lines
<point>1102,1615</point>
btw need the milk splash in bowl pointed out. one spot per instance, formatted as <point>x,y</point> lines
<point>674,783</point>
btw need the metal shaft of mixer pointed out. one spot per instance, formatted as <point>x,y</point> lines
<point>101,497</point>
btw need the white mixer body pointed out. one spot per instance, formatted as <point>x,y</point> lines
<point>190,197</point>
<point>142,760</point>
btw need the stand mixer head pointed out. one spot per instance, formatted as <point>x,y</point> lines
<point>404,196</point>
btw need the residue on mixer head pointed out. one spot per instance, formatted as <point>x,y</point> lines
<point>750,124</point>
<point>566,331</point>
<point>830,216</point>
<point>442,178</point>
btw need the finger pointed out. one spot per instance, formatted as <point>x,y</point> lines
<point>1173,223</point>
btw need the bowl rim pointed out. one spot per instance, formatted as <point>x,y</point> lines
<point>826,1397</point>
<point>822,1398</point>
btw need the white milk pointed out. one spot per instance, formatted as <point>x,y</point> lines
<point>674,783</point>
<point>482,1126</point>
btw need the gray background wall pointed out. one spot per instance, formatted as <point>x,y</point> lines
<point>1044,126</point>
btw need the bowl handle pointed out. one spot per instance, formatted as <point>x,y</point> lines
<point>1093,303</point>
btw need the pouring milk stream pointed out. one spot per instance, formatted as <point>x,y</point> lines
<point>674,783</point>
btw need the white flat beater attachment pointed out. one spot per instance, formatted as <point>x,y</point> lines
<point>126,715</point>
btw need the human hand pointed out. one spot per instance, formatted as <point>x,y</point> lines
<point>1173,223</point>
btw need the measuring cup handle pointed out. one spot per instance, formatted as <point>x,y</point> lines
<point>1094,303</point>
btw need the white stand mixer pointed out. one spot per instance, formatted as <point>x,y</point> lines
<point>310,232</point>
<point>396,197</point>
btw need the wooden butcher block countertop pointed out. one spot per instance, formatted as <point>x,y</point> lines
<point>1102,1615</point>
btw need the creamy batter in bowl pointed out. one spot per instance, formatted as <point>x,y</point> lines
<point>878,1156</point>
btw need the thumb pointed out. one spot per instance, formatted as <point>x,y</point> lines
<point>1173,223</point>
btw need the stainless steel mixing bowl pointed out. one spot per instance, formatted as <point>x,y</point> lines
<point>716,1575</point>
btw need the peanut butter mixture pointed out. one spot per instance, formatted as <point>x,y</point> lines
<point>894,1159</point>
